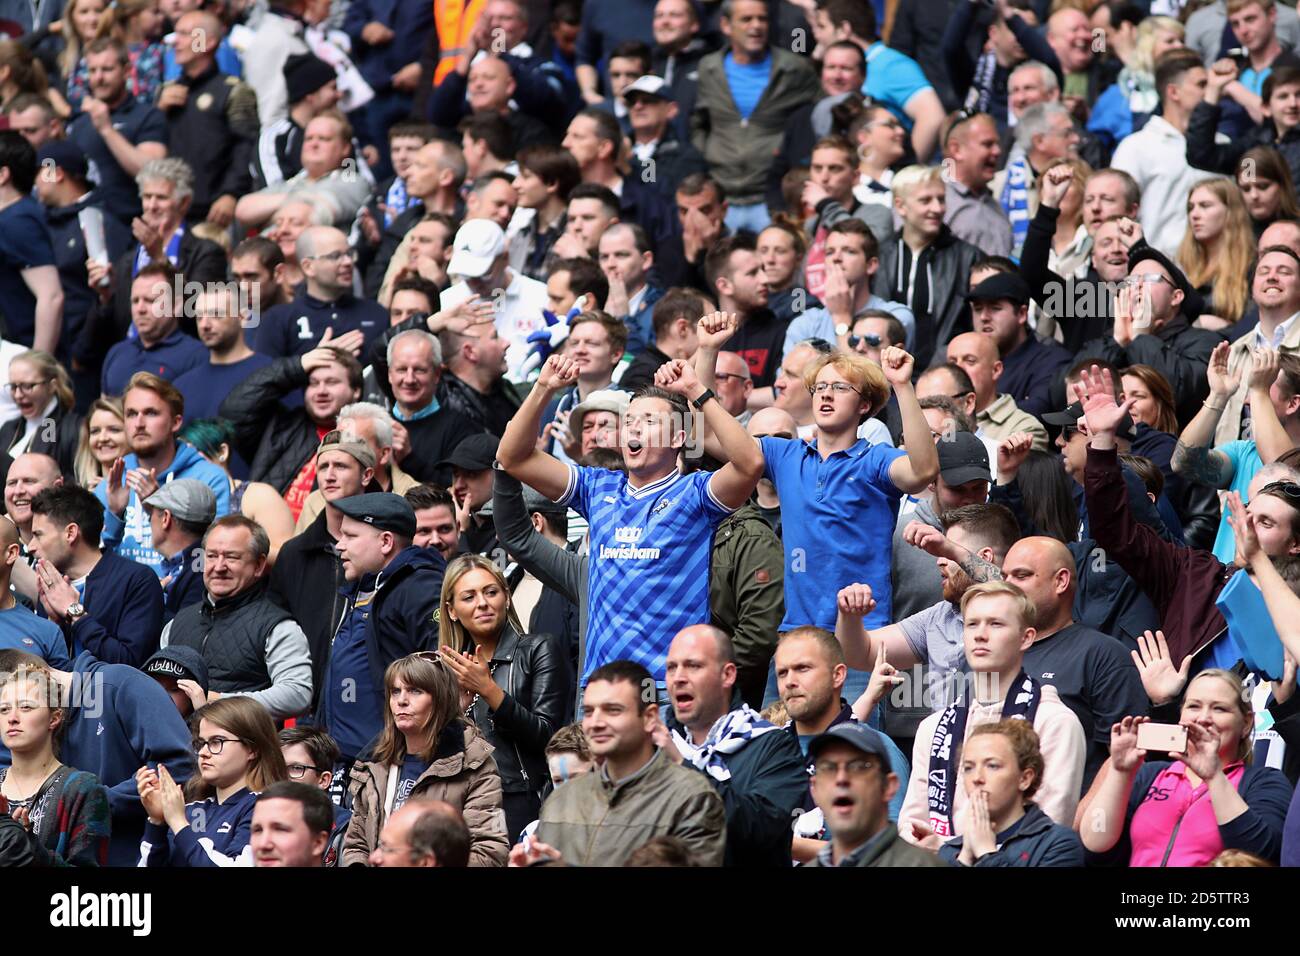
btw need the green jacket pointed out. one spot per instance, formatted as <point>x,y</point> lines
<point>593,822</point>
<point>739,150</point>
<point>747,588</point>
<point>895,852</point>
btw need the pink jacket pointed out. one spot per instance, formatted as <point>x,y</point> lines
<point>1063,745</point>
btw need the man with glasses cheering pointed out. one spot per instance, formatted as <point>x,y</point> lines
<point>324,302</point>
<point>839,493</point>
<point>1151,329</point>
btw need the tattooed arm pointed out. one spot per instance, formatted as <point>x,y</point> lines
<point>1193,458</point>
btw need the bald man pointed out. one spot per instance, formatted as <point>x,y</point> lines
<point>324,302</point>
<point>423,833</point>
<point>758,771</point>
<point>20,629</point>
<point>997,415</point>
<point>1092,672</point>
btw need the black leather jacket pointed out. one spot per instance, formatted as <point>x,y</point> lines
<point>536,683</point>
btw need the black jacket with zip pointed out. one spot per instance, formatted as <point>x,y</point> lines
<point>306,571</point>
<point>949,260</point>
<point>537,688</point>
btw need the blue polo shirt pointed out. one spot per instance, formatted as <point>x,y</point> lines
<point>837,520</point>
<point>295,327</point>
<point>21,630</point>
<point>24,244</point>
<point>139,122</point>
<point>174,355</point>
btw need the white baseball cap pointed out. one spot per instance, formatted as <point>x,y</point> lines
<point>650,85</point>
<point>477,245</point>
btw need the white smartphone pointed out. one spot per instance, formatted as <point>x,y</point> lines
<point>1162,738</point>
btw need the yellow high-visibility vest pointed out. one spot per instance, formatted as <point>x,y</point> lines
<point>455,21</point>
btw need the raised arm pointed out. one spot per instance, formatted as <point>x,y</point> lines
<point>1282,603</point>
<point>913,472</point>
<point>1271,439</point>
<point>1103,814</point>
<point>518,452</point>
<point>1193,458</point>
<point>734,482</point>
<point>862,647</point>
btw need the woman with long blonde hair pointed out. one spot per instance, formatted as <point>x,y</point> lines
<point>517,685</point>
<point>101,442</point>
<point>1217,250</point>
<point>425,750</point>
<point>78,27</point>
<point>238,755</point>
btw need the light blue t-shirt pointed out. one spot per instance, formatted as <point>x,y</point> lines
<point>893,78</point>
<point>747,82</point>
<point>1246,464</point>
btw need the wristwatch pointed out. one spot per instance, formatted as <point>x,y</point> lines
<point>699,402</point>
<point>842,329</point>
<point>75,611</point>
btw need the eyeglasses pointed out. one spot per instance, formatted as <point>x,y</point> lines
<point>18,388</point>
<point>890,123</point>
<point>299,770</point>
<point>854,768</point>
<point>1146,278</point>
<point>870,338</point>
<point>336,256</point>
<point>214,744</point>
<point>838,388</point>
<point>725,376</point>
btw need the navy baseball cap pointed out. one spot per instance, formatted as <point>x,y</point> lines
<point>383,510</point>
<point>66,155</point>
<point>855,734</point>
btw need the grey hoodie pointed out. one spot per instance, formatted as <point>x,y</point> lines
<point>917,583</point>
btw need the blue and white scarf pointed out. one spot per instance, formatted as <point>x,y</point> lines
<point>728,735</point>
<point>396,201</point>
<point>1015,202</point>
<point>949,736</point>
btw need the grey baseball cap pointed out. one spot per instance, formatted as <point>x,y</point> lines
<point>186,498</point>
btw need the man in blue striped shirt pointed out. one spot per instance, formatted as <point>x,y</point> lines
<point>651,529</point>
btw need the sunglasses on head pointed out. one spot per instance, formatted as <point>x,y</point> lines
<point>1287,489</point>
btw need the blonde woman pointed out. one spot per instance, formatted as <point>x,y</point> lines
<point>517,684</point>
<point>102,441</point>
<point>425,750</point>
<point>78,27</point>
<point>46,423</point>
<point>1213,798</point>
<point>1217,250</point>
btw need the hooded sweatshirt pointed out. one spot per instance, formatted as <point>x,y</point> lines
<point>129,535</point>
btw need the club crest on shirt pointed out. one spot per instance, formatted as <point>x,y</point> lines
<point>663,505</point>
